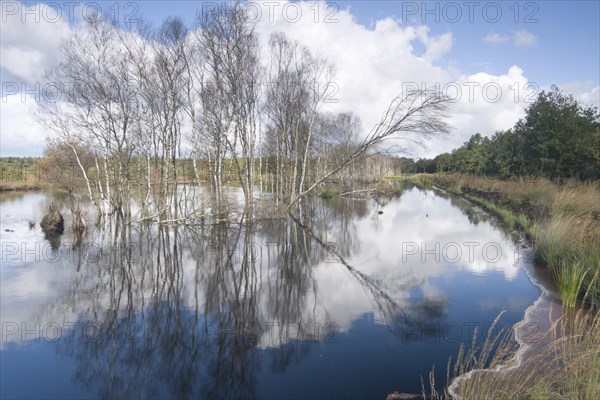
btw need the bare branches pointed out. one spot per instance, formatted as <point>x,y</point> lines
<point>414,116</point>
<point>418,115</point>
<point>148,102</point>
<point>294,97</point>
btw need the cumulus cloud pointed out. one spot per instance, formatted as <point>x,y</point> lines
<point>373,65</point>
<point>524,39</point>
<point>29,46</point>
<point>21,134</point>
<point>484,103</point>
<point>519,39</point>
<point>30,40</point>
<point>584,92</point>
<point>496,38</point>
<point>436,46</point>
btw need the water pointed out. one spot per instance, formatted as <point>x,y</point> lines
<point>341,302</point>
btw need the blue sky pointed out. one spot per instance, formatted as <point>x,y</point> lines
<point>568,32</point>
<point>376,46</point>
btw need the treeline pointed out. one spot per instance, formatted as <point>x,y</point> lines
<point>16,168</point>
<point>135,104</point>
<point>559,138</point>
<point>19,173</point>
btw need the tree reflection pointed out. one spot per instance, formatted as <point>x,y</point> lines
<point>415,316</point>
<point>173,311</point>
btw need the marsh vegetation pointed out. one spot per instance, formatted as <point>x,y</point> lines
<point>177,145</point>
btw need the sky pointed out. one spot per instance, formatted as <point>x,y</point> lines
<point>491,58</point>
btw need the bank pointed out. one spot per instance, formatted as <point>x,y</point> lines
<point>561,357</point>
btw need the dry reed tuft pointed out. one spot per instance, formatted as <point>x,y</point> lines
<point>566,367</point>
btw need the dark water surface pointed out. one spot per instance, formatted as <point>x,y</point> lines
<point>343,302</point>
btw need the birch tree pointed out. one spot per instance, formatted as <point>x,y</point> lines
<point>231,92</point>
<point>96,106</point>
<point>414,116</point>
<point>296,91</point>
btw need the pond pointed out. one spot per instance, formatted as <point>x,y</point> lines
<point>351,298</point>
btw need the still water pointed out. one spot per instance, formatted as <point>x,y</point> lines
<point>339,302</point>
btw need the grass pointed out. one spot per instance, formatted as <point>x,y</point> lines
<point>21,174</point>
<point>523,222</point>
<point>566,366</point>
<point>31,223</point>
<point>563,223</point>
<point>569,280</point>
<point>561,220</point>
<point>505,215</point>
<point>328,193</point>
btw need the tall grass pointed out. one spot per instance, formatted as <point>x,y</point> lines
<point>580,200</point>
<point>569,280</point>
<point>562,220</point>
<point>563,223</point>
<point>565,366</point>
<point>554,242</point>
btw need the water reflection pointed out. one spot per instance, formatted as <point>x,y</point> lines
<point>223,310</point>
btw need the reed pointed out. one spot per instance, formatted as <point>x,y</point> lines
<point>563,223</point>
<point>567,366</point>
<point>569,278</point>
<point>562,220</point>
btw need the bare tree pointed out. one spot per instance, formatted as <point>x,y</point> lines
<point>296,92</point>
<point>413,116</point>
<point>230,93</point>
<point>337,137</point>
<point>96,107</point>
<point>169,79</point>
<point>159,64</point>
<point>144,101</point>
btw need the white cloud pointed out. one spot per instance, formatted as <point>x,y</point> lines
<point>584,92</point>
<point>488,103</point>
<point>373,65</point>
<point>495,38</point>
<point>520,38</point>
<point>524,39</point>
<point>28,47</point>
<point>30,42</point>
<point>21,134</point>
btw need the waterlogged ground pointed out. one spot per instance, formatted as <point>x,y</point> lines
<point>341,302</point>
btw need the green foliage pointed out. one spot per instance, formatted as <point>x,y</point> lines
<point>559,138</point>
<point>522,222</point>
<point>14,169</point>
<point>509,219</point>
<point>425,166</point>
<point>327,193</point>
<point>569,278</point>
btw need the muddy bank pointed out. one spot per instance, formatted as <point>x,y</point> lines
<point>19,188</point>
<point>532,336</point>
<point>531,211</point>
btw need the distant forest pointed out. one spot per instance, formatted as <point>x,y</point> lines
<point>559,138</point>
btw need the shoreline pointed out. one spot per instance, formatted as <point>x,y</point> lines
<point>24,188</point>
<point>541,316</point>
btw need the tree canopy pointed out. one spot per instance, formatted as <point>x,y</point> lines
<point>558,138</point>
